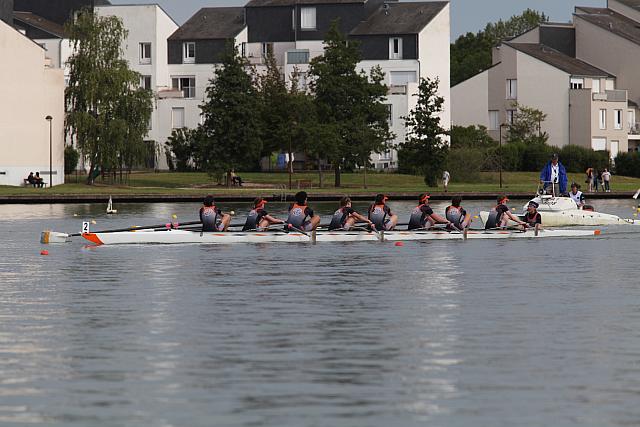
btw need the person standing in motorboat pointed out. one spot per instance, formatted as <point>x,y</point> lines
<point>576,195</point>
<point>553,177</point>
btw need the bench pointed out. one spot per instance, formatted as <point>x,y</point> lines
<point>26,183</point>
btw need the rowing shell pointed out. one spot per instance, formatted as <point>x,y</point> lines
<point>183,236</point>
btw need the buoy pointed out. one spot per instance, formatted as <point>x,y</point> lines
<point>399,243</point>
<point>44,252</point>
<point>232,213</point>
<point>597,232</point>
<point>476,217</point>
<point>75,214</point>
<point>174,216</point>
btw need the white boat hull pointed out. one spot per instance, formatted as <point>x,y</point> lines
<point>183,236</point>
<point>575,217</point>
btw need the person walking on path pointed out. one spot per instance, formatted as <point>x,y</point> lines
<point>589,179</point>
<point>554,176</point>
<point>606,179</point>
<point>446,176</point>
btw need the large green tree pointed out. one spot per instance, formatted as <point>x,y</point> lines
<point>107,110</point>
<point>231,129</point>
<point>471,53</point>
<point>349,104</point>
<point>424,150</point>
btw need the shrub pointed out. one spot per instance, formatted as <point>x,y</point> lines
<point>577,159</point>
<point>465,164</point>
<point>535,156</point>
<point>471,137</point>
<point>628,164</point>
<point>71,157</point>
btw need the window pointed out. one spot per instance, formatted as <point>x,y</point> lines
<point>603,119</point>
<point>599,144</point>
<point>401,78</point>
<point>293,19</point>
<point>617,119</point>
<point>609,84</point>
<point>512,89</point>
<point>631,119</point>
<point>577,83</point>
<point>189,53</point>
<point>298,57</point>
<point>150,124</point>
<point>186,84</point>
<point>177,117</point>
<point>243,49</point>
<point>494,119</point>
<point>145,82</point>
<point>395,48</point>
<point>267,49</point>
<point>145,53</point>
<point>308,18</point>
<point>595,86</point>
<point>390,114</point>
<point>385,155</point>
<point>510,115</point>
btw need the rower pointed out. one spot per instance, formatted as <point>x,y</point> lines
<point>346,217</point>
<point>576,195</point>
<point>212,217</point>
<point>380,214</point>
<point>457,215</point>
<point>301,216</point>
<point>500,215</point>
<point>533,218</point>
<point>258,218</point>
<point>422,216</point>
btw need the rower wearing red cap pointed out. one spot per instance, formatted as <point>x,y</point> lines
<point>258,218</point>
<point>380,214</point>
<point>500,215</point>
<point>422,216</point>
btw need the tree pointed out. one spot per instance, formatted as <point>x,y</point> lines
<point>471,137</point>
<point>107,111</point>
<point>230,132</point>
<point>424,149</point>
<point>348,103</point>
<point>471,53</point>
<point>181,143</point>
<point>526,125</point>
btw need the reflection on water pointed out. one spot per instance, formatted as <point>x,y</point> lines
<point>527,333</point>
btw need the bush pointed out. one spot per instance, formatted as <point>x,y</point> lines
<point>628,164</point>
<point>71,157</point>
<point>510,155</point>
<point>465,164</point>
<point>535,156</point>
<point>471,137</point>
<point>577,159</point>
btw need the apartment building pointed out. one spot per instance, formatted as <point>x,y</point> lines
<point>581,74</point>
<point>29,143</point>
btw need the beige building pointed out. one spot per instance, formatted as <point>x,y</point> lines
<point>36,90</point>
<point>589,90</point>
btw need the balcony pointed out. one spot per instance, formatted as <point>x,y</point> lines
<point>611,96</point>
<point>255,60</point>
<point>298,57</point>
<point>634,129</point>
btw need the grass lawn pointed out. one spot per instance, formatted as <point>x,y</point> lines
<point>193,183</point>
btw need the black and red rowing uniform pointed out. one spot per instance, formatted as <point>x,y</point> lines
<point>532,220</point>
<point>340,217</point>
<point>211,218</point>
<point>419,216</point>
<point>456,215</point>
<point>254,219</point>
<point>380,215</point>
<point>495,216</point>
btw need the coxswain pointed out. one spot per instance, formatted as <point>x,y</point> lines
<point>532,217</point>
<point>457,215</point>
<point>422,216</point>
<point>301,216</point>
<point>500,215</point>
<point>346,217</point>
<point>380,214</point>
<point>576,195</point>
<point>212,217</point>
<point>258,218</point>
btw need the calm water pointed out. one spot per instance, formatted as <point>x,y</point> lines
<point>478,333</point>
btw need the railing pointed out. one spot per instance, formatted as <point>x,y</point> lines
<point>298,57</point>
<point>634,129</point>
<point>611,96</point>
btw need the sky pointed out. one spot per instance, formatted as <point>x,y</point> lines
<point>466,15</point>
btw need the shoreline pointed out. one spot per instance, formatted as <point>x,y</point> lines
<point>227,198</point>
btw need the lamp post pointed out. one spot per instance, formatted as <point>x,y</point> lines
<point>500,151</point>
<point>50,119</point>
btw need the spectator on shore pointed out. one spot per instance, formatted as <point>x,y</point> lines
<point>39,182</point>
<point>446,176</point>
<point>31,180</point>
<point>596,179</point>
<point>235,179</point>
<point>606,179</point>
<point>589,179</point>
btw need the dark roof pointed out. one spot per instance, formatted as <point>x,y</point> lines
<point>633,4</point>
<point>559,60</point>
<point>400,18</point>
<point>212,23</point>
<point>611,21</point>
<point>39,23</point>
<point>632,104</point>
<point>268,3</point>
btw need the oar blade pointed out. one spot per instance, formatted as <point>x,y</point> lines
<point>52,237</point>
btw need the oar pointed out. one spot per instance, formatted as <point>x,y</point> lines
<point>312,236</point>
<point>635,196</point>
<point>379,234</point>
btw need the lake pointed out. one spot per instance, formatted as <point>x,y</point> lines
<point>536,332</point>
